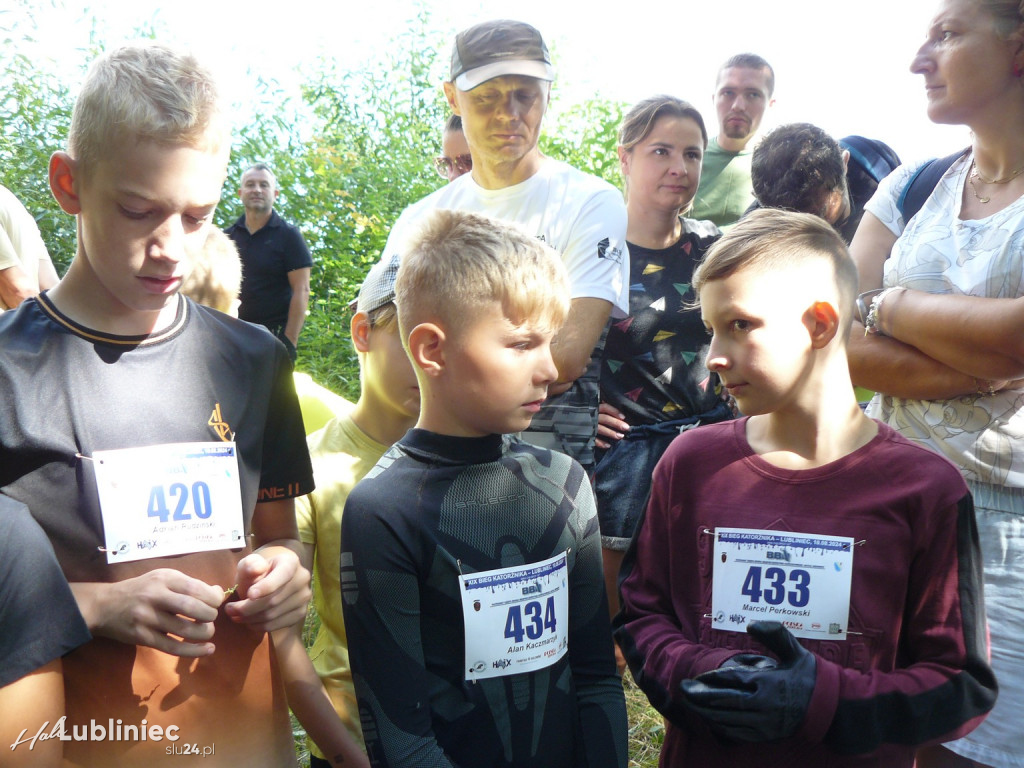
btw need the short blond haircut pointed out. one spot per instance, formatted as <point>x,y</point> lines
<point>146,92</point>
<point>770,239</point>
<point>458,262</point>
<point>216,276</point>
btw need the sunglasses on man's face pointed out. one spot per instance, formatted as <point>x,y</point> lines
<point>461,164</point>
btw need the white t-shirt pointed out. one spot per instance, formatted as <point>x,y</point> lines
<point>579,215</point>
<point>584,219</point>
<point>940,253</point>
<point>21,245</point>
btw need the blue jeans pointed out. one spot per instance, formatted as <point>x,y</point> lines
<point>622,480</point>
<point>999,740</point>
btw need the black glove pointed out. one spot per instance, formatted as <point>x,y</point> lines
<point>749,661</point>
<point>754,702</point>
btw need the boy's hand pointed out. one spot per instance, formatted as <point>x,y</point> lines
<point>756,703</point>
<point>274,590</point>
<point>610,426</point>
<point>154,610</point>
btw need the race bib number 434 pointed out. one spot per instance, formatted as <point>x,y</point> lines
<point>516,619</point>
<point>173,499</point>
<point>801,580</point>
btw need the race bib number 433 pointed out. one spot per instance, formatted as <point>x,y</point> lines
<point>516,619</point>
<point>801,580</point>
<point>173,499</point>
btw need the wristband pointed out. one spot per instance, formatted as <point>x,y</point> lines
<point>872,325</point>
<point>864,304</point>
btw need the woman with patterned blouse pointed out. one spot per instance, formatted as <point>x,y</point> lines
<point>653,379</point>
<point>943,310</point>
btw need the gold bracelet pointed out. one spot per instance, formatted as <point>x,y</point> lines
<point>984,387</point>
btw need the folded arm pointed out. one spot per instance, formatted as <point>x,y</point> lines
<point>982,337</point>
<point>904,364</point>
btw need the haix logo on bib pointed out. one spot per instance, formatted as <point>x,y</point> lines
<point>220,426</point>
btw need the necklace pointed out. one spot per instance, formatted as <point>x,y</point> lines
<point>979,198</point>
<point>976,174</point>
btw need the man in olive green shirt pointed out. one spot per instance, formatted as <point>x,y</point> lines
<point>742,95</point>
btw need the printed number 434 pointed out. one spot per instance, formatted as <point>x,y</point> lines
<point>538,618</point>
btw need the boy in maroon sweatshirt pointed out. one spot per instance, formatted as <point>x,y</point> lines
<point>804,519</point>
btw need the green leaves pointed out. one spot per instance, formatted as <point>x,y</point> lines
<point>350,153</point>
<point>585,136</point>
<point>35,113</point>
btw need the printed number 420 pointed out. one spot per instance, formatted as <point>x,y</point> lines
<point>774,590</point>
<point>200,497</point>
<point>538,618</point>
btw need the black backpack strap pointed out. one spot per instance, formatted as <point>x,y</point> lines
<point>920,186</point>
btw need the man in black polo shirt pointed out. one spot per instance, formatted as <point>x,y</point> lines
<point>275,260</point>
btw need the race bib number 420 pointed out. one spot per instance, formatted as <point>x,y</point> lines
<point>516,619</point>
<point>163,500</point>
<point>801,580</point>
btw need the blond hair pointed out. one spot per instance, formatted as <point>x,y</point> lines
<point>216,276</point>
<point>771,239</point>
<point>458,261</point>
<point>146,92</point>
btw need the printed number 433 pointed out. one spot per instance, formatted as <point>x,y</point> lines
<point>772,588</point>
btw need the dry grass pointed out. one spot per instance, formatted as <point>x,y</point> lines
<point>646,727</point>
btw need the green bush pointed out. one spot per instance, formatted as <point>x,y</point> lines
<point>350,154</point>
<point>35,112</point>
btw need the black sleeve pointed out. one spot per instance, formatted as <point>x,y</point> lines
<point>39,618</point>
<point>296,253</point>
<point>287,471</point>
